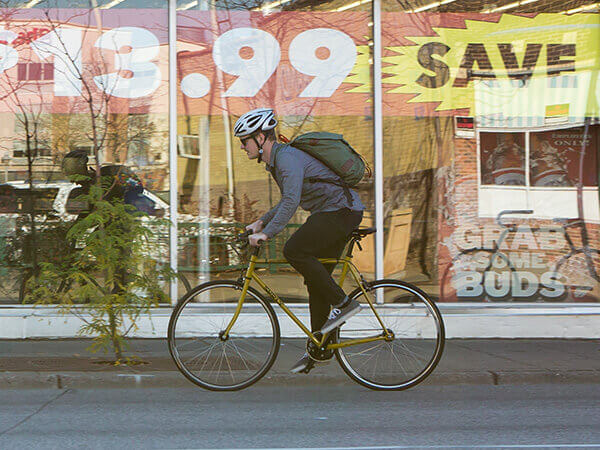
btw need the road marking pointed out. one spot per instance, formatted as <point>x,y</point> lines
<point>136,376</point>
<point>393,447</point>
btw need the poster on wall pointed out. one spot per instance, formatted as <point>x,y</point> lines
<point>502,157</point>
<point>299,62</point>
<point>517,255</point>
<point>489,65</point>
<point>564,157</point>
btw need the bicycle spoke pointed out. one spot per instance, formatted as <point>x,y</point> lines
<point>397,359</point>
<point>193,341</point>
<point>228,364</point>
<point>201,353</point>
<point>365,350</point>
<point>240,355</point>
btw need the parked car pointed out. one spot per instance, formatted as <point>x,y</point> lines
<point>54,199</point>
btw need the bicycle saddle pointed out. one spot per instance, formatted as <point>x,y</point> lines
<point>362,232</point>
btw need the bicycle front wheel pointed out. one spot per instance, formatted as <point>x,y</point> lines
<point>208,358</point>
<point>414,348</point>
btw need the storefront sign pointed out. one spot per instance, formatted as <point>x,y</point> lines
<point>300,63</point>
<point>443,57</point>
<point>308,63</point>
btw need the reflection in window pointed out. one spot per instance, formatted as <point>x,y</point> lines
<point>548,161</point>
<point>558,157</point>
<point>20,150</point>
<point>503,159</point>
<point>8,199</point>
<point>35,71</point>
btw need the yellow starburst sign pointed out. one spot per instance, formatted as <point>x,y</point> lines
<point>446,64</point>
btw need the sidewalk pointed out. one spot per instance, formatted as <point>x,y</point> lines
<point>67,364</point>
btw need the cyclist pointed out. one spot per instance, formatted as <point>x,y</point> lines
<point>118,181</point>
<point>334,215</point>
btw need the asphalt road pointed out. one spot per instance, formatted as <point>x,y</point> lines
<point>305,416</point>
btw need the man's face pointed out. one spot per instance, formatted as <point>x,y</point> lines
<point>249,145</point>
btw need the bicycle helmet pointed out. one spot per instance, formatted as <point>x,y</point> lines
<point>75,163</point>
<point>261,119</point>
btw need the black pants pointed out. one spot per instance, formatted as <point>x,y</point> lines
<point>324,235</point>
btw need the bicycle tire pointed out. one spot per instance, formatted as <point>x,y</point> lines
<point>201,324</point>
<point>365,324</point>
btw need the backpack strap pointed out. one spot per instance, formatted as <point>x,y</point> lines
<point>333,181</point>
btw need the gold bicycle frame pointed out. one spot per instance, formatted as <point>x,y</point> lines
<point>348,267</point>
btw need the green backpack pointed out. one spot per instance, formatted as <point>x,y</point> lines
<point>333,151</point>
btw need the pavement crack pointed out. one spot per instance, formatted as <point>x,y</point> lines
<point>39,410</point>
<point>495,355</point>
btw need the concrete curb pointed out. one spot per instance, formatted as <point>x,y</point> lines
<point>98,380</point>
<point>462,320</point>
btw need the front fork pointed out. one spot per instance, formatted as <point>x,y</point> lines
<point>224,334</point>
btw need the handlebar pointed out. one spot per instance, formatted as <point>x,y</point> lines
<point>511,211</point>
<point>243,237</point>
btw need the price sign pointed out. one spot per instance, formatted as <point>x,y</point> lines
<point>299,63</point>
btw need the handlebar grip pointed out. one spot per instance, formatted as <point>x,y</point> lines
<point>244,235</point>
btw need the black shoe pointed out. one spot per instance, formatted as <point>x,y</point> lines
<point>304,365</point>
<point>339,314</point>
<point>307,362</point>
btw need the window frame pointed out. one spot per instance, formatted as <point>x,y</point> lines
<point>486,210</point>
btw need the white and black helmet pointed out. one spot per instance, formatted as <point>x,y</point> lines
<point>261,119</point>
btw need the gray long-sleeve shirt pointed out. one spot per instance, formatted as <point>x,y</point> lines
<point>290,167</point>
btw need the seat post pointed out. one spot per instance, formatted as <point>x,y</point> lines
<point>351,247</point>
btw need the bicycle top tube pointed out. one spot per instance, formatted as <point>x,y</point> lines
<point>354,237</point>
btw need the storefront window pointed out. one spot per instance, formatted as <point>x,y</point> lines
<point>311,65</point>
<point>89,81</point>
<point>522,75</point>
<point>523,82</point>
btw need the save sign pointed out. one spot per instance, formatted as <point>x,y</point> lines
<point>444,66</point>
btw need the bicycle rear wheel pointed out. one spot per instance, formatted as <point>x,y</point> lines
<point>204,355</point>
<point>415,348</point>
